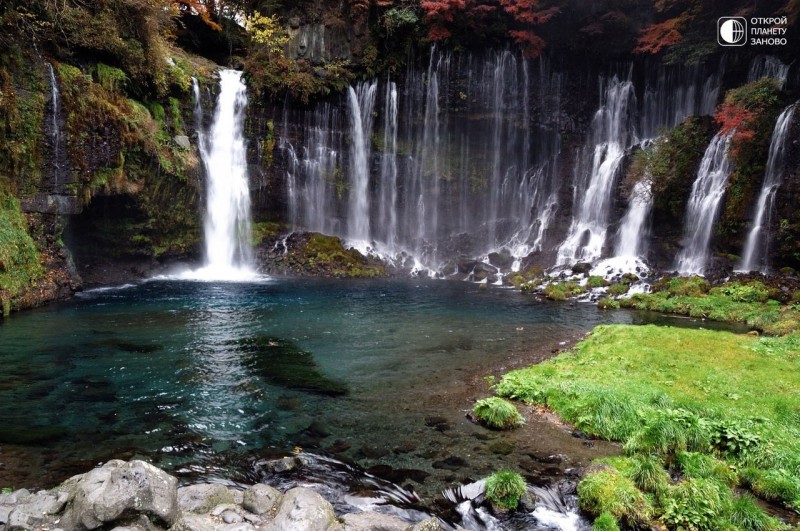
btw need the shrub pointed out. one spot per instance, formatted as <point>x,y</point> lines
<point>732,437</point>
<point>610,492</point>
<point>596,282</point>
<point>753,292</point>
<point>563,290</point>
<point>497,413</point>
<point>505,488</point>
<point>618,289</point>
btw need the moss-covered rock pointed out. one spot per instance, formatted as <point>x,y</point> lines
<point>318,255</point>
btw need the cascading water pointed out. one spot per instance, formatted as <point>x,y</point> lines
<point>768,66</point>
<point>59,155</point>
<point>361,102</point>
<point>462,159</point>
<point>227,216</point>
<point>612,132</point>
<point>756,250</point>
<point>388,183</point>
<point>632,230</point>
<point>704,201</point>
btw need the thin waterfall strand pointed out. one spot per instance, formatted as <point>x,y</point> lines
<point>756,250</point>
<point>704,201</point>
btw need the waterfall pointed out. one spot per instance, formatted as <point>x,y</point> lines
<point>631,232</point>
<point>388,184</point>
<point>227,216</point>
<point>612,133</point>
<point>704,201</point>
<point>756,250</point>
<point>768,66</point>
<point>361,101</point>
<point>56,136</point>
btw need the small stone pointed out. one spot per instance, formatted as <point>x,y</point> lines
<point>182,141</point>
<point>431,524</point>
<point>527,502</point>
<point>230,517</point>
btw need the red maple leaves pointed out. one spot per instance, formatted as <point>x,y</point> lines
<point>517,16</point>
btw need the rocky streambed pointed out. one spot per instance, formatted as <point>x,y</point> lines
<point>135,495</point>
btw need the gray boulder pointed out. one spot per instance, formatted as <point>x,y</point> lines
<point>431,524</point>
<point>373,522</point>
<point>120,492</point>
<point>202,498</point>
<point>260,498</point>
<point>302,510</point>
<point>183,141</point>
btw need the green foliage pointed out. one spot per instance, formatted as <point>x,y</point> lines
<point>398,18</point>
<point>497,413</point>
<point>696,504</point>
<point>505,488</point>
<point>19,258</point>
<point>265,229</point>
<point>667,431</point>
<point>730,302</point>
<point>733,437</point>
<point>607,303</point>
<point>704,466</point>
<point>596,282</point>
<point>706,403</point>
<point>648,473</point>
<point>559,291</point>
<point>752,292</point>
<point>605,522</point>
<point>610,492</point>
<point>267,31</point>
<point>615,290</point>
<point>110,78</point>
<point>670,166</point>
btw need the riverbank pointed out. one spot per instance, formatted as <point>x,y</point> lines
<point>701,414</point>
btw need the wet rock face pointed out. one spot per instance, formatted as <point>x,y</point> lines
<point>119,492</point>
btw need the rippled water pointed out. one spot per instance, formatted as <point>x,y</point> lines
<point>186,375</point>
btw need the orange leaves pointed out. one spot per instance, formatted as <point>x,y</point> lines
<point>655,37</point>
<point>200,8</point>
<point>737,118</point>
<point>465,16</point>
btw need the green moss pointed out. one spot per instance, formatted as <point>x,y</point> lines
<point>110,78</point>
<point>497,413</point>
<point>20,263</point>
<point>505,488</point>
<point>265,229</point>
<point>596,282</point>
<point>605,522</point>
<point>281,362</point>
<point>559,291</point>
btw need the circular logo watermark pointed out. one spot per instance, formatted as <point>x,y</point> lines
<point>732,31</point>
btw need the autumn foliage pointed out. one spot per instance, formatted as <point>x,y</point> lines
<point>517,16</point>
<point>656,37</point>
<point>200,8</point>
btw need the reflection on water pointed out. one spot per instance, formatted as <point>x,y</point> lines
<point>204,379</point>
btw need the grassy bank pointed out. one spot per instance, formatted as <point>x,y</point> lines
<point>750,302</point>
<point>701,414</point>
<point>19,258</point>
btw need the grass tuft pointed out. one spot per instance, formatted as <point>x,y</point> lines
<point>497,413</point>
<point>505,488</point>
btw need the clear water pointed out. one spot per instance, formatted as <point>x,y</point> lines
<point>154,370</point>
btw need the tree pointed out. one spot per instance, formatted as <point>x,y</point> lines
<point>515,17</point>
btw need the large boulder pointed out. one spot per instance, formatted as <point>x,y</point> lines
<point>302,510</point>
<point>120,492</point>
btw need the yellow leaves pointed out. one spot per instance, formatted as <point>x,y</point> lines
<point>267,30</point>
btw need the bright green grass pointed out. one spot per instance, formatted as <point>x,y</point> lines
<point>667,391</point>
